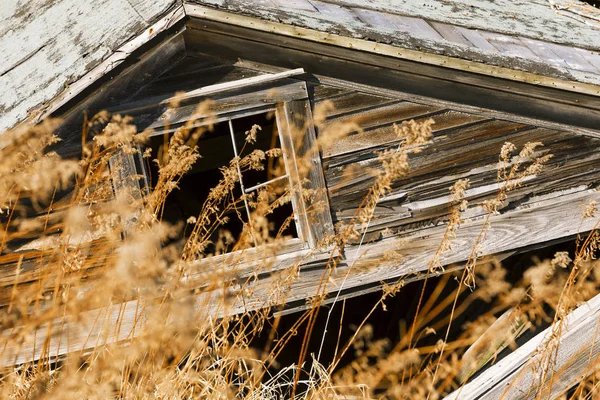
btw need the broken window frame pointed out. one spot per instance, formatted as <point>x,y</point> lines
<point>289,100</point>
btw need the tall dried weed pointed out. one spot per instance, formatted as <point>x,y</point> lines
<point>160,316</point>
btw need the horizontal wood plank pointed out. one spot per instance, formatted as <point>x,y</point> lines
<point>547,220</point>
<point>517,375</point>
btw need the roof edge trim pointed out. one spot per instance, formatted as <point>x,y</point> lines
<point>171,18</point>
<point>202,12</point>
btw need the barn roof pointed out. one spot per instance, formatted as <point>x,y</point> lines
<point>52,50</point>
<point>558,38</point>
<point>48,45</point>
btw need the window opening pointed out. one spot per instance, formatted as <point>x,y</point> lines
<point>593,3</point>
<point>217,148</point>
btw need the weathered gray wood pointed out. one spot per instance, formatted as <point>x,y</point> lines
<point>375,18</point>
<point>395,74</point>
<point>347,188</point>
<point>218,88</point>
<point>543,220</point>
<point>461,107</point>
<point>477,39</point>
<point>416,26</point>
<point>450,33</point>
<point>510,46</point>
<point>378,129</point>
<point>121,88</point>
<point>316,203</point>
<point>148,114</point>
<point>353,101</point>
<point>414,201</point>
<point>406,26</point>
<point>543,50</point>
<point>573,59</point>
<point>517,377</point>
<point>48,45</point>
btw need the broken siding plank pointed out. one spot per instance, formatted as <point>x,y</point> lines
<point>515,377</point>
<point>149,114</point>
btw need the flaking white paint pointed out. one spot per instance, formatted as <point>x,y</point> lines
<point>46,45</point>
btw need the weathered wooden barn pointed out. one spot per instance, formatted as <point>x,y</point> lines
<point>486,72</point>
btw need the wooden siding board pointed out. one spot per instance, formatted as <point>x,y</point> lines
<point>477,39</point>
<point>515,376</point>
<point>448,158</point>
<point>425,192</point>
<point>378,129</point>
<point>572,58</point>
<point>321,93</point>
<point>415,27</point>
<point>375,18</point>
<point>444,157</point>
<point>512,230</point>
<point>451,33</point>
<point>510,45</point>
<point>349,103</point>
<point>369,69</point>
<point>544,51</point>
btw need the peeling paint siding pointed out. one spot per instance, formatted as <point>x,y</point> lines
<point>47,44</point>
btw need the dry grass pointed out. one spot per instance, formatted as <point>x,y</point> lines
<point>78,260</point>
